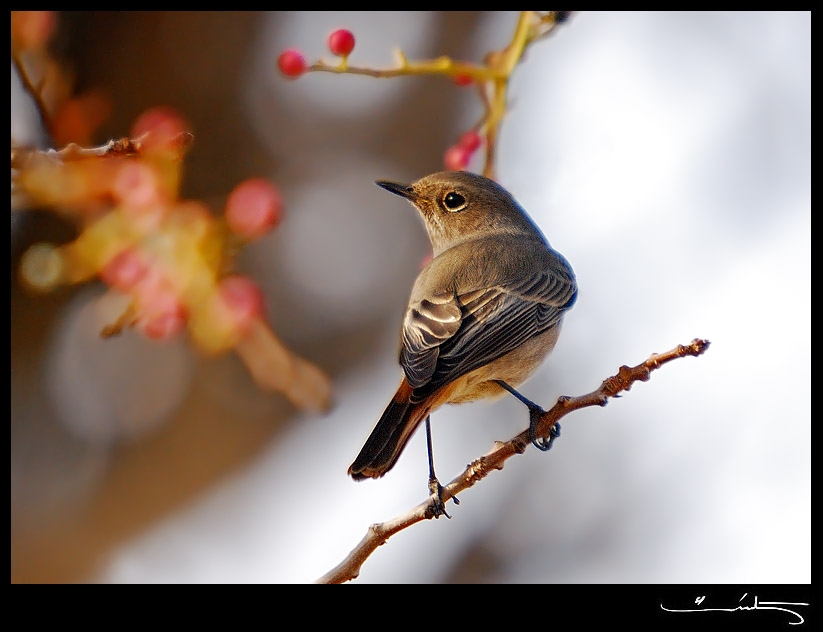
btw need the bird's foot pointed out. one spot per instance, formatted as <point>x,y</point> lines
<point>437,506</point>
<point>541,443</point>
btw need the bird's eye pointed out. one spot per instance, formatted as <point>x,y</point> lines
<point>454,202</point>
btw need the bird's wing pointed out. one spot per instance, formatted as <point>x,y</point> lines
<point>448,335</point>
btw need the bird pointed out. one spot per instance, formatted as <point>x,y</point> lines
<point>483,313</point>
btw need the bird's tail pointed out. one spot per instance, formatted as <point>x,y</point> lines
<point>390,435</point>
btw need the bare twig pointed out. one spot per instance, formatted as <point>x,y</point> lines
<point>122,147</point>
<point>35,91</point>
<point>379,533</point>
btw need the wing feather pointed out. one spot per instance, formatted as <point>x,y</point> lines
<point>449,335</point>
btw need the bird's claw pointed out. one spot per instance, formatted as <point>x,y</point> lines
<point>541,443</point>
<point>437,505</point>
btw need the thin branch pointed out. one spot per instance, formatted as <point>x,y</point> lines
<point>379,533</point>
<point>21,156</point>
<point>442,65</point>
<point>491,77</point>
<point>36,92</point>
<point>28,158</point>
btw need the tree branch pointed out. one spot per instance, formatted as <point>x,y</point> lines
<point>379,533</point>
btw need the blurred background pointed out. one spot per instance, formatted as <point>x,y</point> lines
<point>667,155</point>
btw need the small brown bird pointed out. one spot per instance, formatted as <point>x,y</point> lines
<point>483,314</point>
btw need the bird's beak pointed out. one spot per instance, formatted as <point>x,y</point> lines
<point>403,190</point>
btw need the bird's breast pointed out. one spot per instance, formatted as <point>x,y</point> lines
<point>514,368</point>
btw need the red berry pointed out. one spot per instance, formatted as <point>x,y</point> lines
<point>341,42</point>
<point>456,158</point>
<point>291,63</point>
<point>161,313</point>
<point>124,270</point>
<point>463,80</point>
<point>137,186</point>
<point>470,140</point>
<point>163,325</point>
<point>162,127</point>
<point>243,298</point>
<point>253,208</point>
<point>78,118</point>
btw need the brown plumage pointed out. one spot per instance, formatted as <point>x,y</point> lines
<point>488,307</point>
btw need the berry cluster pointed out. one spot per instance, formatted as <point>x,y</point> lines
<point>165,253</point>
<point>170,256</point>
<point>292,63</point>
<point>490,78</point>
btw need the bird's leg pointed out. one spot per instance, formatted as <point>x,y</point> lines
<point>435,488</point>
<point>535,412</point>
